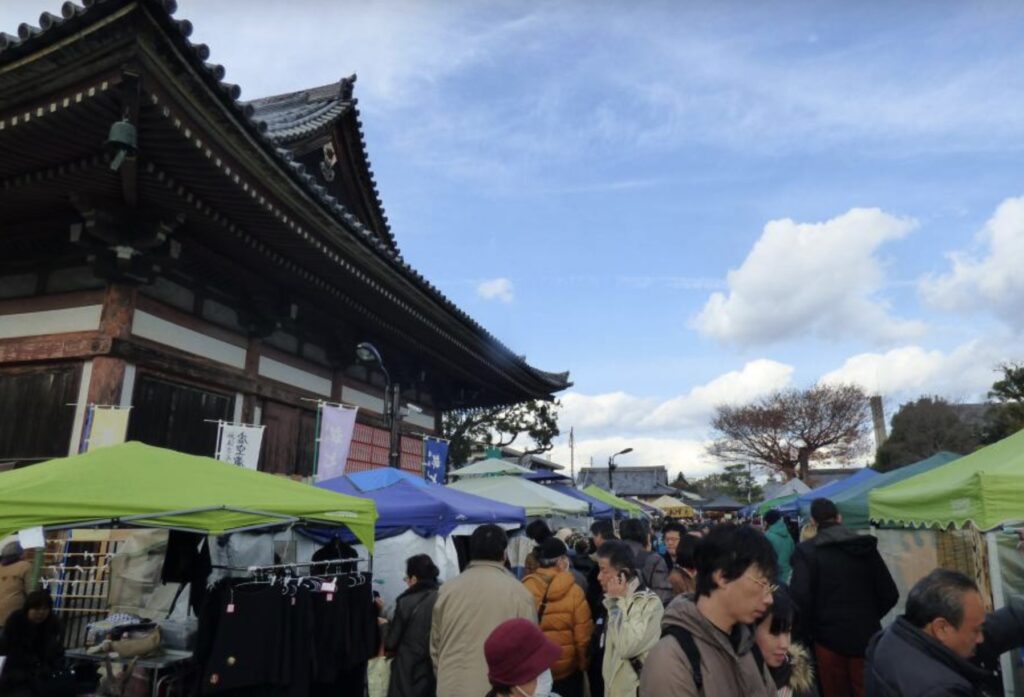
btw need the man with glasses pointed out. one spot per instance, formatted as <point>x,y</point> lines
<point>843,590</point>
<point>707,644</point>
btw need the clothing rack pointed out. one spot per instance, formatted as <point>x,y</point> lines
<point>298,564</point>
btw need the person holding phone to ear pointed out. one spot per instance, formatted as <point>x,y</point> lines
<point>634,619</point>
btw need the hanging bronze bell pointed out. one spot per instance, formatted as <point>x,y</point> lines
<point>122,142</point>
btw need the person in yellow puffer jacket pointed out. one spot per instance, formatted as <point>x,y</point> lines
<point>563,614</point>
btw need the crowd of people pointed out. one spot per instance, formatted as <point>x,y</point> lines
<point>701,610</point>
<point>751,608</point>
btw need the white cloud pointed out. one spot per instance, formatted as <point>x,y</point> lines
<point>622,413</point>
<point>990,281</point>
<point>688,456</point>
<point>965,373</point>
<point>497,289</point>
<point>811,278</point>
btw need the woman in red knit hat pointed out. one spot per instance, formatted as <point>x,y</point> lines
<point>517,654</point>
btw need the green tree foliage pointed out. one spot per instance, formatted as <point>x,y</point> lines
<point>736,481</point>
<point>922,428</point>
<point>498,427</point>
<point>679,482</point>
<point>1006,415</point>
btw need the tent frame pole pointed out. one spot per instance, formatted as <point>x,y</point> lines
<point>995,572</point>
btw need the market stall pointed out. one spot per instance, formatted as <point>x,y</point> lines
<point>967,505</point>
<point>852,501</point>
<point>194,508</point>
<point>673,508</point>
<point>417,517</point>
<point>802,504</point>
<point>599,510</point>
<point>624,508</point>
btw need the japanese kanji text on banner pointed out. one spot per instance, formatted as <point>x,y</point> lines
<point>240,444</point>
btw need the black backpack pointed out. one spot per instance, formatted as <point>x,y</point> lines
<point>685,640</point>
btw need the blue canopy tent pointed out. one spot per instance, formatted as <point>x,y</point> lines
<point>598,508</point>
<point>802,504</point>
<point>405,503</point>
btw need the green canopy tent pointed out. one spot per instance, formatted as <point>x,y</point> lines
<point>985,488</point>
<point>768,505</point>
<point>137,485</point>
<point>612,500</point>
<point>853,502</point>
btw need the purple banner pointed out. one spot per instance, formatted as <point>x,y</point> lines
<point>337,425</point>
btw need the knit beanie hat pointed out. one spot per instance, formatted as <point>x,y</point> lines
<point>517,652</point>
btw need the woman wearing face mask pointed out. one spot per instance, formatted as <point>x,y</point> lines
<point>519,659</point>
<point>789,663</point>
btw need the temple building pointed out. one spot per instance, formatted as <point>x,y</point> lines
<point>169,247</point>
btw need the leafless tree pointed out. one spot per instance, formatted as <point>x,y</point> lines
<point>787,430</point>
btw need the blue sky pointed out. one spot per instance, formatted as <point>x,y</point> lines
<point>682,203</point>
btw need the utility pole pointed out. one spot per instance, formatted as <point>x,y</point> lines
<point>572,454</point>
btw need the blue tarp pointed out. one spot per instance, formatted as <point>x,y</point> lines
<point>384,477</point>
<point>598,508</point>
<point>802,504</point>
<point>426,509</point>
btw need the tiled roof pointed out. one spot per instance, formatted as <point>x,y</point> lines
<point>296,116</point>
<point>75,17</point>
<point>629,481</point>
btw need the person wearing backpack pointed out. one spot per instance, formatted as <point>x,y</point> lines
<point>633,621</point>
<point>563,615</point>
<point>649,564</point>
<point>706,649</point>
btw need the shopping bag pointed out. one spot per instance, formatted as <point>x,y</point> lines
<point>378,676</point>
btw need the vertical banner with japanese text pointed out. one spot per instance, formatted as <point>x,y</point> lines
<point>240,444</point>
<point>435,460</point>
<point>106,426</point>
<point>337,424</point>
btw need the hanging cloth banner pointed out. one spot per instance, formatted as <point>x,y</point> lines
<point>337,424</point>
<point>107,426</point>
<point>239,444</point>
<point>436,460</point>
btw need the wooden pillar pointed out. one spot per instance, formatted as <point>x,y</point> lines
<point>108,373</point>
<point>252,370</point>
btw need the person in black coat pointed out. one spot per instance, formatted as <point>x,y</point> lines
<point>408,637</point>
<point>944,644</point>
<point>843,590</point>
<point>32,644</point>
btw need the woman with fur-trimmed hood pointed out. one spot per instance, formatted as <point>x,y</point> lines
<point>788,662</point>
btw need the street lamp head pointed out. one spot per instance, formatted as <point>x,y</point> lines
<point>368,353</point>
<point>623,452</point>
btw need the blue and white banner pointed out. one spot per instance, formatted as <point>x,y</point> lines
<point>435,460</point>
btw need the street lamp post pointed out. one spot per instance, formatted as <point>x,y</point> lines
<point>368,354</point>
<point>612,466</point>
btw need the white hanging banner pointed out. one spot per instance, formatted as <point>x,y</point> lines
<point>239,444</point>
<point>106,426</point>
<point>337,425</point>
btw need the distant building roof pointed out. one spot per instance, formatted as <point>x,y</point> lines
<point>630,481</point>
<point>534,462</point>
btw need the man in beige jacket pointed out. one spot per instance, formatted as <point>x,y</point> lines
<point>735,569</point>
<point>469,607</point>
<point>15,579</point>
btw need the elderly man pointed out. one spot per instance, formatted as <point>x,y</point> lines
<point>468,608</point>
<point>928,650</point>
<point>563,614</point>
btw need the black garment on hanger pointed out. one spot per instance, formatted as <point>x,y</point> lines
<point>188,561</point>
